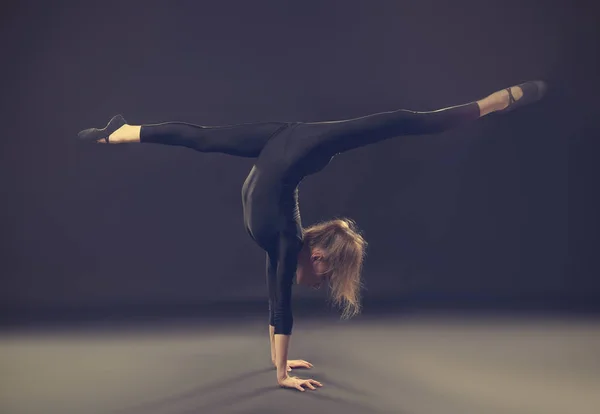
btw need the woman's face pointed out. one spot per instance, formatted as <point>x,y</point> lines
<point>312,268</point>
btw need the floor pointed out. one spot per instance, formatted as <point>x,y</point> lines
<point>413,364</point>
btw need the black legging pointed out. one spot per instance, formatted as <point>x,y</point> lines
<point>247,140</point>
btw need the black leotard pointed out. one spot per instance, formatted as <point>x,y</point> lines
<point>285,153</point>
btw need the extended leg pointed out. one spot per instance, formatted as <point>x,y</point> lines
<point>244,140</point>
<point>339,136</point>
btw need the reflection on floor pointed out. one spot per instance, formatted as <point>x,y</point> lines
<point>394,364</point>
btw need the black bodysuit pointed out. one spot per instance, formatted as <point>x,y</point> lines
<point>285,153</point>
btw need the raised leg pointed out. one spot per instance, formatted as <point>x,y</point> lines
<point>339,136</point>
<point>244,140</point>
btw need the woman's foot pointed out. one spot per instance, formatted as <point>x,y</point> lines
<point>116,131</point>
<point>127,133</point>
<point>512,98</point>
<point>524,94</point>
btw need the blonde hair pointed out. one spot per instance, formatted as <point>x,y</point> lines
<point>345,250</point>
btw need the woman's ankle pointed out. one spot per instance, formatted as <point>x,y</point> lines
<point>498,101</point>
<point>126,133</point>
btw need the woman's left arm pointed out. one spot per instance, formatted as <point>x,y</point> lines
<point>280,287</point>
<point>281,290</point>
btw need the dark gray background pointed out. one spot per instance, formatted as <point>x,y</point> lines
<point>497,212</point>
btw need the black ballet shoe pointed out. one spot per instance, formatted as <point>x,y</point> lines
<point>95,134</point>
<point>533,91</point>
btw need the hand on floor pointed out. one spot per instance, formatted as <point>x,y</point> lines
<point>298,363</point>
<point>299,383</point>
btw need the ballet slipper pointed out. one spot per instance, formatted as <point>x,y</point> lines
<point>95,134</point>
<point>533,91</point>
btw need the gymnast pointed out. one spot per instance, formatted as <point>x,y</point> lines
<point>331,252</point>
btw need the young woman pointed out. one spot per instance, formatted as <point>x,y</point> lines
<point>331,252</point>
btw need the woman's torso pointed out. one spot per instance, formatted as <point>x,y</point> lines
<point>270,192</point>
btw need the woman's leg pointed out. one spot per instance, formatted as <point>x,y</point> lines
<point>244,140</point>
<point>339,136</point>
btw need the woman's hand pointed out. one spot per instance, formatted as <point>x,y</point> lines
<point>298,383</point>
<point>295,363</point>
<point>298,363</point>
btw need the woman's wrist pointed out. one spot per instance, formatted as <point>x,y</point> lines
<point>272,343</point>
<point>281,375</point>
